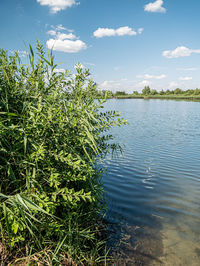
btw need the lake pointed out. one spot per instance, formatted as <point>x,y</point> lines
<point>152,190</point>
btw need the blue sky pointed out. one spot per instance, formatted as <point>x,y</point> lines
<point>126,44</point>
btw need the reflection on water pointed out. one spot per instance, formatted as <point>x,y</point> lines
<point>153,189</point>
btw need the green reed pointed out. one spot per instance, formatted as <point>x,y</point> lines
<point>52,132</point>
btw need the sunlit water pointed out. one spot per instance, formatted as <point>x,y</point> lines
<point>152,190</point>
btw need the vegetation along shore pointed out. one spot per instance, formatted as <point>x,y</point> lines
<point>147,93</point>
<point>52,133</point>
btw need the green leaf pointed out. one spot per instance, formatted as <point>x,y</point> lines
<point>15,227</point>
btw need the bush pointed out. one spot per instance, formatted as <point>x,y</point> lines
<point>154,92</point>
<point>168,92</point>
<point>119,93</point>
<point>196,92</point>
<point>178,91</point>
<point>52,132</point>
<point>146,90</point>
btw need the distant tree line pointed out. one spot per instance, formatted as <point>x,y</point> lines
<point>148,92</point>
<point>177,91</point>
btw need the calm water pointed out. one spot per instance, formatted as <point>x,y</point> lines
<point>153,189</point>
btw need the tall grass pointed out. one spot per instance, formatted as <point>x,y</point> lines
<point>52,131</point>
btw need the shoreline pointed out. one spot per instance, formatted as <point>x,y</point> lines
<point>159,97</point>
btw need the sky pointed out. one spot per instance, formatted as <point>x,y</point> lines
<point>126,44</point>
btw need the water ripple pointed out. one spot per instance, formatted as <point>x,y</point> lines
<point>159,170</point>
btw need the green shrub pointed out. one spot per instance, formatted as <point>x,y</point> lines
<point>178,91</point>
<point>196,92</point>
<point>52,132</point>
<point>154,92</point>
<point>119,93</point>
<point>146,90</point>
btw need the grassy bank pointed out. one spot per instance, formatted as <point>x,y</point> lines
<point>147,93</point>
<point>167,97</point>
<point>52,132</point>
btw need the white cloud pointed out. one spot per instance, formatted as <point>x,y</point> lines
<point>185,78</point>
<point>102,32</point>
<point>180,51</point>
<point>51,32</point>
<point>140,30</point>
<point>188,69</point>
<point>107,32</point>
<point>144,83</point>
<point>60,27</point>
<point>118,85</point>
<point>67,46</point>
<point>64,42</point>
<point>110,84</point>
<point>173,85</point>
<point>147,76</point>
<point>59,35</point>
<point>125,31</point>
<point>57,5</point>
<point>129,86</point>
<point>155,7</point>
<point>63,36</point>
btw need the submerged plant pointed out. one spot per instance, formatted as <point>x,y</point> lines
<point>52,131</point>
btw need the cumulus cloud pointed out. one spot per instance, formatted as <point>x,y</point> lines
<point>67,46</point>
<point>60,27</point>
<point>107,32</point>
<point>64,42</point>
<point>155,7</point>
<point>59,35</point>
<point>63,36</point>
<point>57,5</point>
<point>102,32</point>
<point>144,83</point>
<point>173,85</point>
<point>180,51</point>
<point>185,78</point>
<point>147,76</point>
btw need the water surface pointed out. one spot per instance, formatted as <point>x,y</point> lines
<point>153,189</point>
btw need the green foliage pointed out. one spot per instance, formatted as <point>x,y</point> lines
<point>118,93</point>
<point>178,91</point>
<point>168,92</point>
<point>154,92</point>
<point>52,131</point>
<point>106,94</point>
<point>162,92</point>
<point>146,90</point>
<point>196,92</point>
<point>148,93</point>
